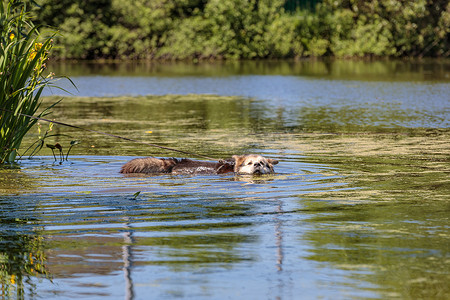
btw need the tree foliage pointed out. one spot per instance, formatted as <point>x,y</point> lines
<point>246,29</point>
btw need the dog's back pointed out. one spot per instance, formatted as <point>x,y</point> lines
<point>187,166</point>
<point>151,165</point>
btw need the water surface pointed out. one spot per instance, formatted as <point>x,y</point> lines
<point>358,207</point>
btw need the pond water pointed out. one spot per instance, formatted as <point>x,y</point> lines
<point>358,207</point>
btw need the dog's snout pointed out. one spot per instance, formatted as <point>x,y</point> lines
<point>258,164</point>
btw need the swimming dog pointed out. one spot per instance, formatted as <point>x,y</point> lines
<point>239,164</point>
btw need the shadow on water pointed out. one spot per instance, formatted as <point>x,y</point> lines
<point>357,208</point>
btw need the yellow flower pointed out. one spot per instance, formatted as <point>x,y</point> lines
<point>32,55</point>
<point>11,36</point>
<point>13,279</point>
<point>37,46</point>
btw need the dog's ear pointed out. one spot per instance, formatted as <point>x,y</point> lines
<point>272,161</point>
<point>238,160</point>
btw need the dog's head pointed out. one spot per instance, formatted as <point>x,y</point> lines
<point>253,164</point>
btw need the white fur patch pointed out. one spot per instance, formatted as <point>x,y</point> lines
<point>253,164</point>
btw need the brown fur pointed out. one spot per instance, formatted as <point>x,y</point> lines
<point>151,165</point>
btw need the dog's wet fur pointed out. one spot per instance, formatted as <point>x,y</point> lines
<point>239,164</point>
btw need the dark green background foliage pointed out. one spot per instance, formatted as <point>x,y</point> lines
<point>247,29</point>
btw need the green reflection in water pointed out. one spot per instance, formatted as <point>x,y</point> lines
<point>394,70</point>
<point>22,252</point>
<point>13,180</point>
<point>401,246</point>
<point>193,122</point>
<point>387,225</point>
<point>220,126</point>
<point>392,229</point>
<point>387,167</point>
<point>183,232</point>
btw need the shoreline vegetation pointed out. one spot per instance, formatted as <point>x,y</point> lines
<point>24,53</point>
<point>199,30</point>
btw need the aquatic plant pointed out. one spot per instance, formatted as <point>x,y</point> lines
<point>72,143</point>
<point>36,146</point>
<point>59,147</point>
<point>23,75</point>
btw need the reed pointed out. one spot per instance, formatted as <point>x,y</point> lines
<point>23,75</point>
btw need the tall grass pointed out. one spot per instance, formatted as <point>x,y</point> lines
<point>23,76</point>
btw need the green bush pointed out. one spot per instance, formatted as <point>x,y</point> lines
<point>388,27</point>
<point>247,29</point>
<point>230,29</point>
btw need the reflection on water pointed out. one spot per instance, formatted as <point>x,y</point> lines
<point>22,255</point>
<point>342,89</point>
<point>292,233</point>
<point>396,70</point>
<point>224,126</point>
<point>357,208</point>
<point>423,105</point>
<point>402,247</point>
